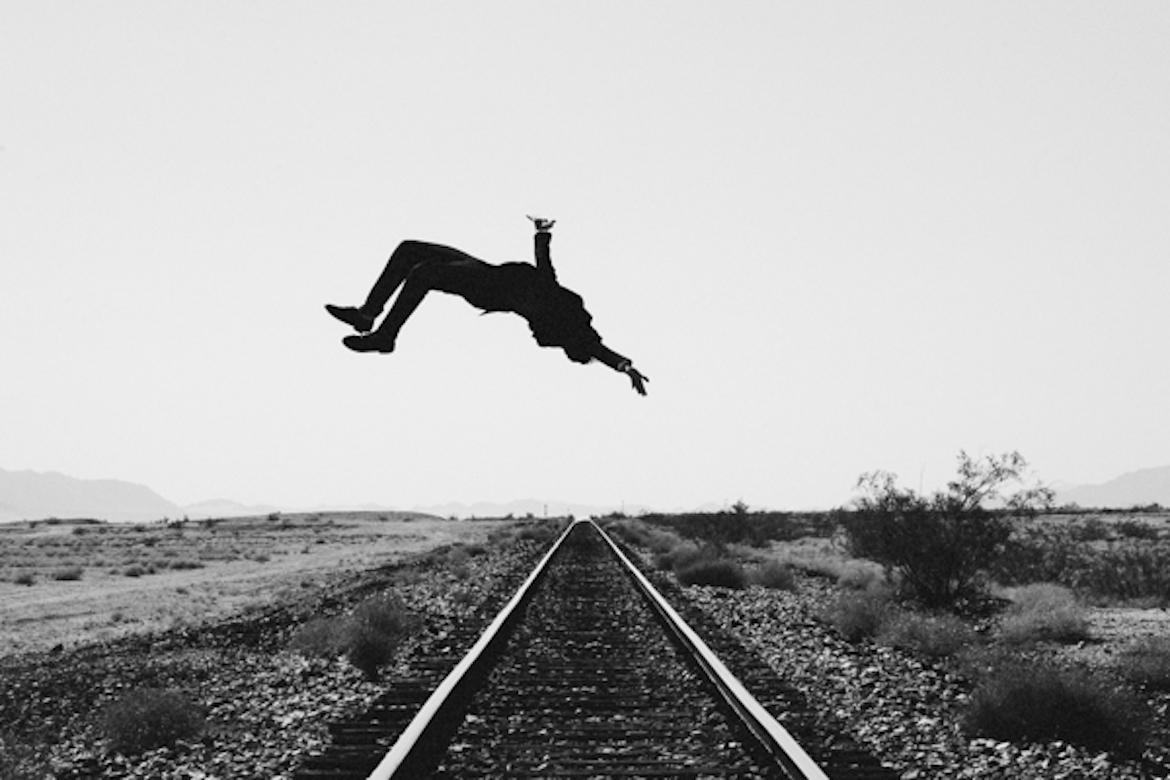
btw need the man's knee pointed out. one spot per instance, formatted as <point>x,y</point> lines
<point>412,249</point>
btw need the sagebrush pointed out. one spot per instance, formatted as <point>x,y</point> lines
<point>149,718</point>
<point>1042,704</point>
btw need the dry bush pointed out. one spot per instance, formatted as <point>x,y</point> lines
<point>1041,704</point>
<point>68,574</point>
<point>320,637</point>
<point>1044,612</point>
<point>656,540</point>
<point>1147,663</point>
<point>719,572</point>
<point>25,578</point>
<point>774,575</point>
<point>375,630</point>
<point>856,616</point>
<point>936,636</point>
<point>368,637</point>
<point>682,554</point>
<point>860,575</point>
<point>1126,569</point>
<point>823,558</point>
<point>542,532</point>
<point>939,545</point>
<point>150,718</point>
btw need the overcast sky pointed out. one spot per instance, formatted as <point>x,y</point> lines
<point>837,237</point>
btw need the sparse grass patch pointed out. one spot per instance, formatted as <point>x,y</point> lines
<point>860,575</point>
<point>1041,704</point>
<point>1147,663</point>
<point>936,636</point>
<point>858,615</point>
<point>656,540</point>
<point>374,631</point>
<point>774,575</point>
<point>1044,612</point>
<point>543,533</point>
<point>1130,568</point>
<point>150,718</point>
<point>681,554</point>
<point>320,637</point>
<point>185,563</point>
<point>720,572</point>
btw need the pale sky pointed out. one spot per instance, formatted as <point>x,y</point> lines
<point>837,237</point>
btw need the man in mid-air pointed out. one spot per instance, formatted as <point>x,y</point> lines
<point>556,315</point>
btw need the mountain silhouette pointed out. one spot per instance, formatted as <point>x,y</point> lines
<point>33,495</point>
<point>1135,488</point>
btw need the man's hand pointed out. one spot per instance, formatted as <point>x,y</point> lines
<point>637,379</point>
<point>542,225</point>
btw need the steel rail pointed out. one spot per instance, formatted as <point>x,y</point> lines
<point>773,737</point>
<point>403,751</point>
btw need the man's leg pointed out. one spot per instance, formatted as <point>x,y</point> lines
<point>463,276</point>
<point>408,256</point>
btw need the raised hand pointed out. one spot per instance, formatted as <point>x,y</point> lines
<point>542,225</point>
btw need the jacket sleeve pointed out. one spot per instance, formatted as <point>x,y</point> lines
<point>543,257</point>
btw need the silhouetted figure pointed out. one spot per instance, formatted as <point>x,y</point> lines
<point>556,315</point>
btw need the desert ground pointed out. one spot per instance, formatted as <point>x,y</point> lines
<point>220,609</point>
<point>68,583</point>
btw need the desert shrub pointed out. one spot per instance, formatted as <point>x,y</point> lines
<point>938,546</point>
<point>367,650</point>
<point>1136,529</point>
<point>543,533</point>
<point>936,636</point>
<point>636,532</point>
<point>681,554</point>
<point>185,563</point>
<point>150,718</point>
<point>68,574</point>
<point>1044,612</point>
<point>741,526</point>
<point>774,575</point>
<point>860,575</point>
<point>720,572</point>
<point>25,578</point>
<point>1147,663</point>
<point>1127,569</point>
<point>856,616</point>
<point>375,630</point>
<point>1041,704</point>
<point>320,637</point>
<point>1092,529</point>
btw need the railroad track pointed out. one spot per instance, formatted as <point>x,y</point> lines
<point>586,672</point>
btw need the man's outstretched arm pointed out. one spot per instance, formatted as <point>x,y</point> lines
<point>623,364</point>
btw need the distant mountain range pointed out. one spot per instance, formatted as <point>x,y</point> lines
<point>530,506</point>
<point>32,495</point>
<point>1136,488</point>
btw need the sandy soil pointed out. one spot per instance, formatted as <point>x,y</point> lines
<point>244,563</point>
